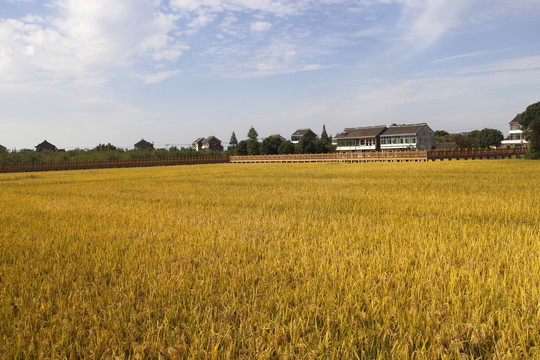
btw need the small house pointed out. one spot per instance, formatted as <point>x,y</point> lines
<point>197,144</point>
<point>45,145</point>
<point>360,138</point>
<point>515,135</point>
<point>144,145</point>
<point>212,143</point>
<point>303,134</point>
<point>3,149</point>
<point>408,137</point>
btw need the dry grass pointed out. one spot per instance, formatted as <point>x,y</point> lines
<point>415,260</point>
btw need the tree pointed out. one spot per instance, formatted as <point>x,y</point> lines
<point>486,138</point>
<point>270,145</point>
<point>233,142</point>
<point>530,122</point>
<point>252,147</point>
<point>103,147</point>
<point>442,136</point>
<point>463,141</point>
<point>241,148</point>
<point>286,147</point>
<point>252,134</point>
<point>324,136</point>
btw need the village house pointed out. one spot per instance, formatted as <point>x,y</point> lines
<point>212,143</point>
<point>3,149</point>
<point>197,144</point>
<point>45,145</point>
<point>515,135</point>
<point>360,138</point>
<point>144,145</point>
<point>408,137</point>
<point>303,134</point>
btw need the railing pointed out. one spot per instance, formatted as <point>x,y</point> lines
<point>80,165</point>
<point>398,155</point>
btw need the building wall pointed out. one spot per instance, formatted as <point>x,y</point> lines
<point>426,139</point>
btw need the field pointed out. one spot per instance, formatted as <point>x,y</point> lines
<point>374,260</point>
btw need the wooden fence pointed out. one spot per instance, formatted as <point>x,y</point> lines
<point>5,168</point>
<point>401,156</point>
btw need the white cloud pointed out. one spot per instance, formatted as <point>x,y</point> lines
<point>260,26</point>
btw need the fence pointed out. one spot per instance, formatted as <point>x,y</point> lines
<point>5,168</point>
<point>407,155</point>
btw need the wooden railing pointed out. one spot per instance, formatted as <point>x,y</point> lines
<point>406,155</point>
<point>79,165</point>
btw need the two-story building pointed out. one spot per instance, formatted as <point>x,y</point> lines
<point>303,134</point>
<point>360,139</point>
<point>408,137</point>
<point>515,135</point>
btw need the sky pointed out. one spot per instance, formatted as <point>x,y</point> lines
<point>79,73</point>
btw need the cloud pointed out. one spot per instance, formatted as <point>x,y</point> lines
<point>154,78</point>
<point>260,26</point>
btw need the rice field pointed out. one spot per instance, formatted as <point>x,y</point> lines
<point>273,261</point>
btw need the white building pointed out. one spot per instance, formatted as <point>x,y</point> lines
<point>515,137</point>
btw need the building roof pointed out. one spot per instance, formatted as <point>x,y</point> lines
<point>406,129</point>
<point>361,132</point>
<point>45,145</point>
<point>198,140</point>
<point>302,131</point>
<point>210,139</point>
<point>143,143</point>
<point>516,119</point>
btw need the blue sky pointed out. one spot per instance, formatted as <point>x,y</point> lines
<point>79,73</point>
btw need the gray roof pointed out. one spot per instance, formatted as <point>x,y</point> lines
<point>302,131</point>
<point>143,142</point>
<point>211,138</point>
<point>198,140</point>
<point>408,129</point>
<point>361,132</point>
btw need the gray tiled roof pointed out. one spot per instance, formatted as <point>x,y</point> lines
<point>361,132</point>
<point>409,129</point>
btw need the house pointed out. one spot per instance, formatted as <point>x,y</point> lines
<point>303,134</point>
<point>197,144</point>
<point>45,145</point>
<point>360,138</point>
<point>3,149</point>
<point>515,135</point>
<point>212,143</point>
<point>408,137</point>
<point>144,145</point>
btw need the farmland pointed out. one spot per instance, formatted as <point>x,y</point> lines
<point>326,260</point>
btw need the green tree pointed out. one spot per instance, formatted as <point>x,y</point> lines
<point>286,147</point>
<point>252,134</point>
<point>530,122</point>
<point>241,148</point>
<point>486,138</point>
<point>253,147</point>
<point>324,136</point>
<point>270,145</point>
<point>233,142</point>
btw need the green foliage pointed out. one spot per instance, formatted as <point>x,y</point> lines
<point>252,134</point>
<point>241,149</point>
<point>486,138</point>
<point>307,146</point>
<point>270,145</point>
<point>442,136</point>
<point>286,147</point>
<point>253,147</point>
<point>324,136</point>
<point>233,142</point>
<point>530,122</point>
<point>99,153</point>
<point>463,142</point>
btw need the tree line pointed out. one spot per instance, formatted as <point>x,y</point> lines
<point>275,144</point>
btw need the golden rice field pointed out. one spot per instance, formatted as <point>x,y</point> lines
<point>436,260</point>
